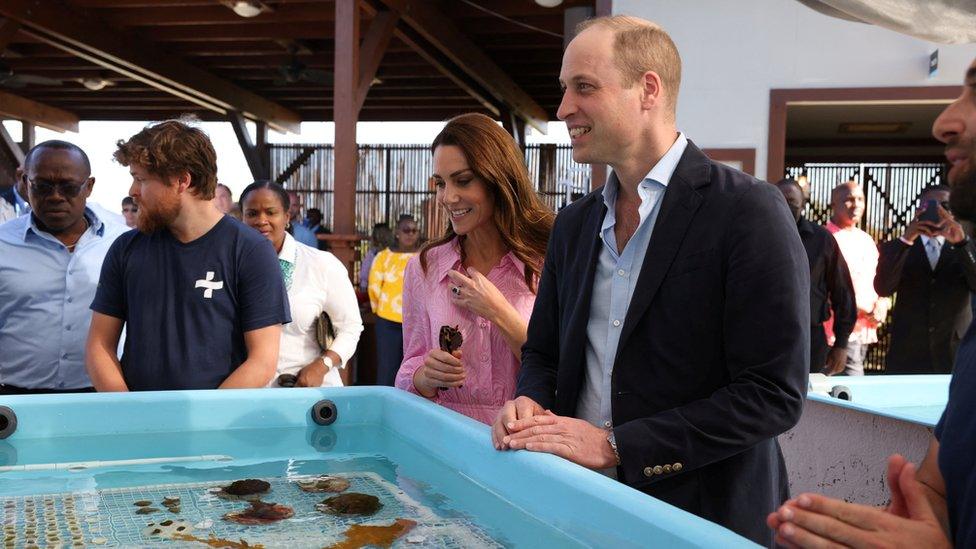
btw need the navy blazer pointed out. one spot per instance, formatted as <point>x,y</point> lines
<point>713,357</point>
<point>933,307</point>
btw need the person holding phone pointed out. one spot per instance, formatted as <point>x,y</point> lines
<point>925,269</point>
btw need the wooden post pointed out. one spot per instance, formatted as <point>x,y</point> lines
<point>515,126</point>
<point>259,170</point>
<point>27,135</point>
<point>346,114</point>
<point>261,146</point>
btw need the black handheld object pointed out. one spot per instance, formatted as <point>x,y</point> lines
<point>450,340</point>
<point>931,212</point>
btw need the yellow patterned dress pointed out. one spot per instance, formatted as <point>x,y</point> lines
<point>386,297</point>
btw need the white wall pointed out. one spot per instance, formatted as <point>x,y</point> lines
<point>734,52</point>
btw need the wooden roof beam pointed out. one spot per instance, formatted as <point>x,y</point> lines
<point>442,33</point>
<point>52,118</point>
<point>372,49</point>
<point>8,29</point>
<point>88,38</point>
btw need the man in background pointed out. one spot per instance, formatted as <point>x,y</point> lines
<point>831,288</point>
<point>224,199</point>
<point>926,267</point>
<point>129,212</point>
<point>301,233</point>
<point>12,205</point>
<point>861,255</point>
<point>313,220</point>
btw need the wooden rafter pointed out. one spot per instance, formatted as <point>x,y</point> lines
<point>27,135</point>
<point>52,118</point>
<point>86,37</point>
<point>10,147</point>
<point>442,33</point>
<point>372,50</point>
<point>8,28</point>
<point>255,163</point>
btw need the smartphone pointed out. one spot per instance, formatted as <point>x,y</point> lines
<point>931,212</point>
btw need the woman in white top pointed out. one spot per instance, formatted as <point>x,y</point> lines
<point>316,282</point>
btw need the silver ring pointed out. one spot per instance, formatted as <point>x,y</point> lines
<point>456,290</point>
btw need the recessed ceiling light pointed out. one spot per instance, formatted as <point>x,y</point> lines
<point>548,3</point>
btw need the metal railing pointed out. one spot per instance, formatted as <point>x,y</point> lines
<point>394,179</point>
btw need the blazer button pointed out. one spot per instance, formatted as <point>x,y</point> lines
<point>658,469</point>
<point>677,467</point>
<point>667,468</point>
<point>648,472</point>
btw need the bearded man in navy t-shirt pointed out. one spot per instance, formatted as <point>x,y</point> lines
<point>200,294</point>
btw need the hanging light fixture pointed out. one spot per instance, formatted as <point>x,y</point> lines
<point>95,84</point>
<point>548,3</point>
<point>247,8</point>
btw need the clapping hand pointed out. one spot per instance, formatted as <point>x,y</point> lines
<point>812,520</point>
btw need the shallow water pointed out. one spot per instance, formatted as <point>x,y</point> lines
<point>94,506</point>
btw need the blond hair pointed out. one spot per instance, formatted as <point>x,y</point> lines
<point>640,46</point>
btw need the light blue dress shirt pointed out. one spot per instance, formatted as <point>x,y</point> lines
<point>21,205</point>
<point>614,283</point>
<point>45,292</point>
<point>304,235</point>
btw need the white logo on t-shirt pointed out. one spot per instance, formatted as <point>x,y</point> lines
<point>209,284</point>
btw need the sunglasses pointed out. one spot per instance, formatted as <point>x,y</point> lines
<point>64,188</point>
<point>409,231</point>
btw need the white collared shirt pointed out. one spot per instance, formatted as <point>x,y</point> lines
<point>319,283</point>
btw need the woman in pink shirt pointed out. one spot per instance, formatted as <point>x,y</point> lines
<point>480,276</point>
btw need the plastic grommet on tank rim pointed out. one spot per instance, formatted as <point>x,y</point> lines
<point>324,412</point>
<point>841,392</point>
<point>8,422</point>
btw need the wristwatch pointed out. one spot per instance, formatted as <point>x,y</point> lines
<point>961,244</point>
<point>328,363</point>
<point>613,445</point>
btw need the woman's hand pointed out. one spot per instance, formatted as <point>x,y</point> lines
<point>440,369</point>
<point>312,374</point>
<point>478,295</point>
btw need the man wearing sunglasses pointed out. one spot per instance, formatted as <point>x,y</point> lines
<point>925,268</point>
<point>48,274</point>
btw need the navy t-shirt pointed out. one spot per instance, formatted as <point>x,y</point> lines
<point>187,306</point>
<point>956,432</point>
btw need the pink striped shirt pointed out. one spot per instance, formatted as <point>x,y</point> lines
<point>491,367</point>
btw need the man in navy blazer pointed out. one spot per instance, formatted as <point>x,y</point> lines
<point>669,343</point>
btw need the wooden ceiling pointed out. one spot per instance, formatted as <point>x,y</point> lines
<point>164,58</point>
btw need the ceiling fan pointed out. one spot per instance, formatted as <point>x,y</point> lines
<point>296,71</point>
<point>9,79</point>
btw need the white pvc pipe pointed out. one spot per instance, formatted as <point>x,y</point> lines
<point>84,465</point>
